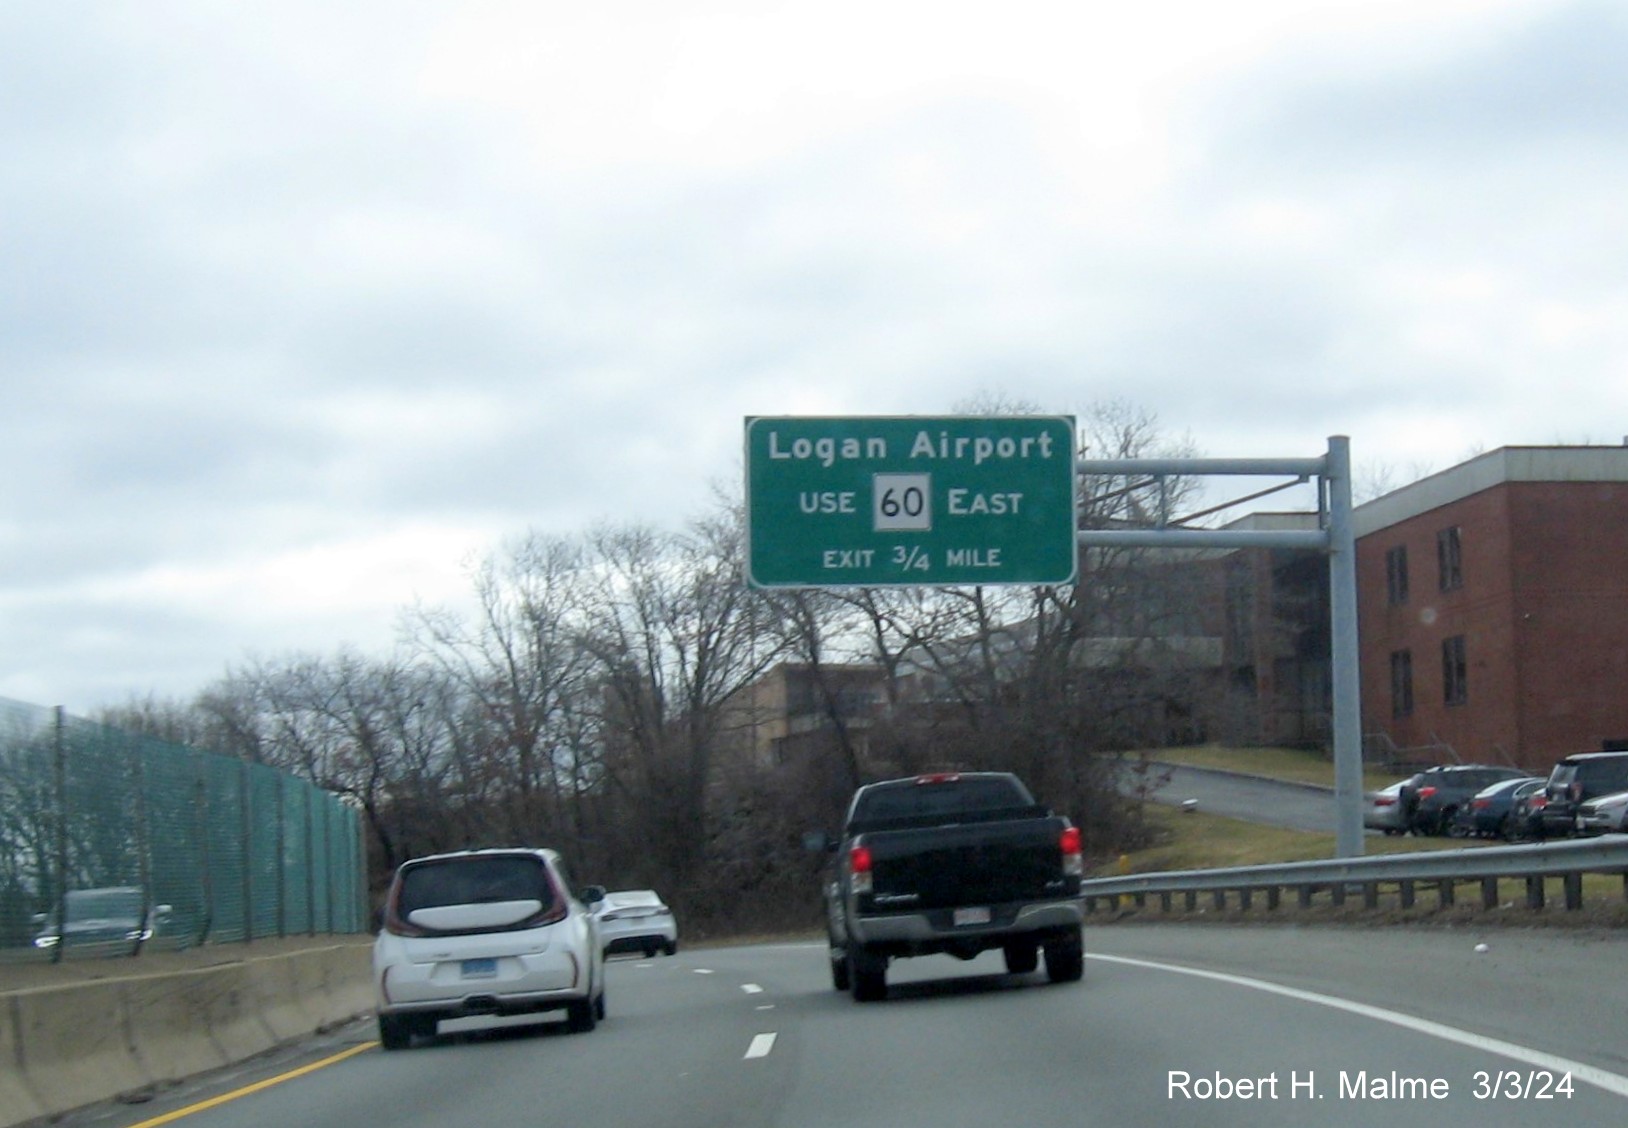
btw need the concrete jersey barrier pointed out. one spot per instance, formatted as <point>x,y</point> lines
<point>65,1047</point>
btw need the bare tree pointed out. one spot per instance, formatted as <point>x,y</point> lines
<point>378,732</point>
<point>676,633</point>
<point>525,678</point>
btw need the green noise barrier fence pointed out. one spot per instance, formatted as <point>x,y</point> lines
<point>113,842</point>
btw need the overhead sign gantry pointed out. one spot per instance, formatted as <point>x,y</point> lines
<point>875,501</point>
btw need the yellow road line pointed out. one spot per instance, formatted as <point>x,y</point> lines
<point>224,1098</point>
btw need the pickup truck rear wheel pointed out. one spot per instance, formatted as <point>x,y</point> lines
<point>839,970</point>
<point>1065,959</point>
<point>867,976</point>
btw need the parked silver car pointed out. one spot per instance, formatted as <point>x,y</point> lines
<point>1382,809</point>
<point>486,932</point>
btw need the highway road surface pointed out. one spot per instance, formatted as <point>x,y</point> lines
<point>1173,1025</point>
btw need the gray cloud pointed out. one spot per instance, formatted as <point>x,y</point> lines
<point>279,289</point>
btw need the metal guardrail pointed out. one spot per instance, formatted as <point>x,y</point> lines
<point>1445,869</point>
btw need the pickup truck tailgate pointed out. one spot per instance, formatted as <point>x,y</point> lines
<point>975,863</point>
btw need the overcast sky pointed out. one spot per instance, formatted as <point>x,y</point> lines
<point>305,305</point>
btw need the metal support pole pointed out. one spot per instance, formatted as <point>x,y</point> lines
<point>59,783</point>
<point>1345,661</point>
<point>246,835</point>
<point>310,861</point>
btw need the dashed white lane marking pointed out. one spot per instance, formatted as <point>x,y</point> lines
<point>1599,1078</point>
<point>702,970</point>
<point>760,1047</point>
<point>766,1006</point>
<point>751,988</point>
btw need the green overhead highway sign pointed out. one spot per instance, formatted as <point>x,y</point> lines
<point>877,501</point>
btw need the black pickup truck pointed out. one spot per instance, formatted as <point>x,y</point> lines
<point>955,863</point>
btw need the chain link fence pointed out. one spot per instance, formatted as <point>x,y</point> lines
<point>112,842</point>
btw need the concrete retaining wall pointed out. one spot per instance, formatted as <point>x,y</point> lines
<point>65,1047</point>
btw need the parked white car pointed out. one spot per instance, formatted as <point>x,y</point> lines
<point>486,932</point>
<point>637,920</point>
<point>1603,813</point>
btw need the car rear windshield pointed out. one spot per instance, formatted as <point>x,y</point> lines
<point>474,881</point>
<point>964,799</point>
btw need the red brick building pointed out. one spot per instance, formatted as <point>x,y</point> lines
<point>1493,607</point>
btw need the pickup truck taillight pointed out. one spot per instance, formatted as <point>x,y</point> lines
<point>859,865</point>
<point>1073,864</point>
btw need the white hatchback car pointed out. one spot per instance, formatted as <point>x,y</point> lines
<point>636,920</point>
<point>486,932</point>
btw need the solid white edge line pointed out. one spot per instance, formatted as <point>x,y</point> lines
<point>760,1047</point>
<point>1613,1083</point>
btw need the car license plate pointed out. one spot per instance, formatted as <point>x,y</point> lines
<point>964,917</point>
<point>480,969</point>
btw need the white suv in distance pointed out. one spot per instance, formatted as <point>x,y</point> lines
<point>486,932</point>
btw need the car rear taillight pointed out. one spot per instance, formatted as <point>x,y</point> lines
<point>396,924</point>
<point>1538,801</point>
<point>1576,792</point>
<point>859,865</point>
<point>1069,840</point>
<point>1426,792</point>
<point>1480,804</point>
<point>1385,801</point>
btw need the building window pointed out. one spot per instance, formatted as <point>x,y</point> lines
<point>1401,683</point>
<point>1454,671</point>
<point>1396,574</point>
<point>1449,558</point>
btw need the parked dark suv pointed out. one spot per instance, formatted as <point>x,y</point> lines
<point>1578,778</point>
<point>1430,799</point>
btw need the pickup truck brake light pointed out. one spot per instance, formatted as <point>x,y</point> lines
<point>1069,840</point>
<point>939,777</point>
<point>859,865</point>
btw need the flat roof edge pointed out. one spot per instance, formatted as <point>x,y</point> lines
<point>1496,467</point>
